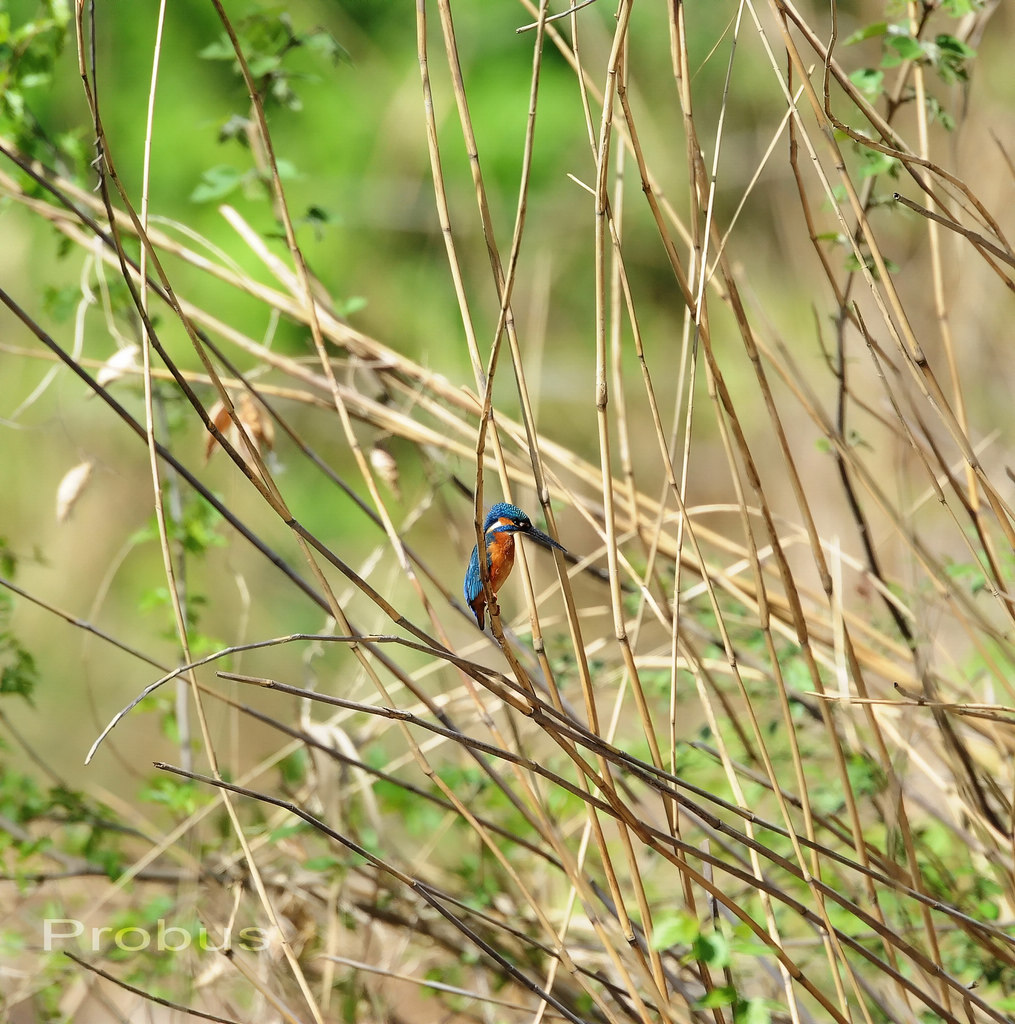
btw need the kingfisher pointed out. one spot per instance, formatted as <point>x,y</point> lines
<point>502,522</point>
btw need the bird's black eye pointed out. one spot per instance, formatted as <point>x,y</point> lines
<point>522,524</point>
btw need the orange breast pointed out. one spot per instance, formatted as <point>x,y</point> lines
<point>501,551</point>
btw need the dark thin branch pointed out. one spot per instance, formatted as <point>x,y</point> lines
<point>152,998</point>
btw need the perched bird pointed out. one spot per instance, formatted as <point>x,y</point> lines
<point>502,522</point>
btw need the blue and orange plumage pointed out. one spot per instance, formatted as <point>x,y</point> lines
<point>502,522</point>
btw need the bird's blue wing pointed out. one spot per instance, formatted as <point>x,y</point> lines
<point>473,581</point>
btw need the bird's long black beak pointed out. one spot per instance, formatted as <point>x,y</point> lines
<point>542,539</point>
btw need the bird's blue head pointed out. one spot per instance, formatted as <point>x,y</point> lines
<point>506,518</point>
<point>516,518</point>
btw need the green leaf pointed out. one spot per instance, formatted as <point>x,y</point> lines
<point>180,797</point>
<point>287,170</point>
<point>293,768</point>
<point>712,949</point>
<point>61,303</point>
<point>960,8</point>
<point>285,831</point>
<point>752,1011</point>
<point>8,560</point>
<point>325,44</point>
<point>221,49</point>
<point>20,676</point>
<point>853,265</point>
<point>321,864</point>
<point>907,47</point>
<point>265,65</point>
<point>866,776</point>
<point>872,31</point>
<point>680,929</point>
<point>351,305</point>
<point>949,56</point>
<point>877,163</point>
<point>939,114</point>
<point>216,183</point>
<point>870,81</point>
<point>724,995</point>
<point>12,943</point>
<point>235,127</point>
